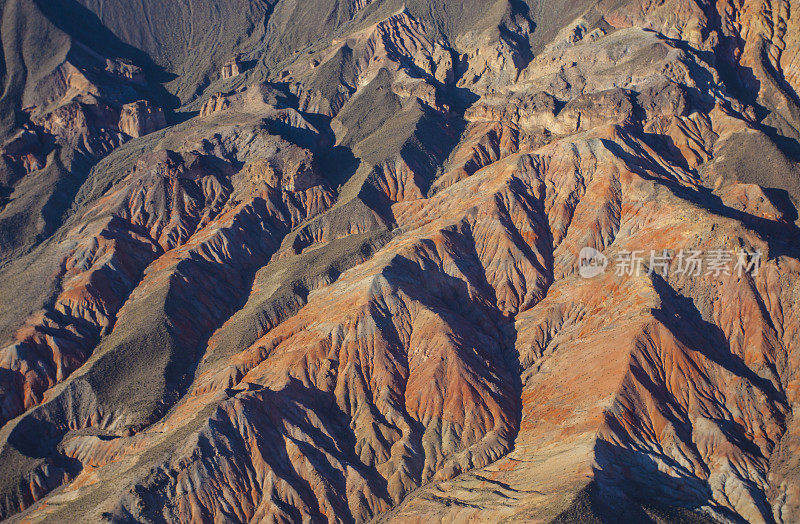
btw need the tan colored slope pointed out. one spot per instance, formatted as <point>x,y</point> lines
<point>558,427</point>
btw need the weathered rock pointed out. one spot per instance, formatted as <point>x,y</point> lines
<point>231,68</point>
<point>126,70</point>
<point>141,118</point>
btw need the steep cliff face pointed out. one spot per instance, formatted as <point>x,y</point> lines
<point>341,276</point>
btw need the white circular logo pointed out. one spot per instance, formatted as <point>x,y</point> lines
<point>591,262</point>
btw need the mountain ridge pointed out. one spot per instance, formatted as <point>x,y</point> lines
<point>340,280</point>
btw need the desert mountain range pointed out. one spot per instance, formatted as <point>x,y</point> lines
<point>324,261</point>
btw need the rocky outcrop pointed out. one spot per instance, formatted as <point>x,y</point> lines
<point>140,118</point>
<point>25,151</point>
<point>126,70</point>
<point>231,68</point>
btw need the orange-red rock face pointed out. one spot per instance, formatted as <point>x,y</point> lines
<point>353,292</point>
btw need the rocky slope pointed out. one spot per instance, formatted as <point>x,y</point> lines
<point>255,269</point>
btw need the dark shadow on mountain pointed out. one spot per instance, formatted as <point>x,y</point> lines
<point>85,27</point>
<point>247,65</point>
<point>782,200</point>
<point>788,145</point>
<point>742,82</point>
<point>593,505</point>
<point>782,236</point>
<point>489,337</point>
<point>336,163</point>
<point>680,315</point>
<point>612,498</point>
<point>178,117</point>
